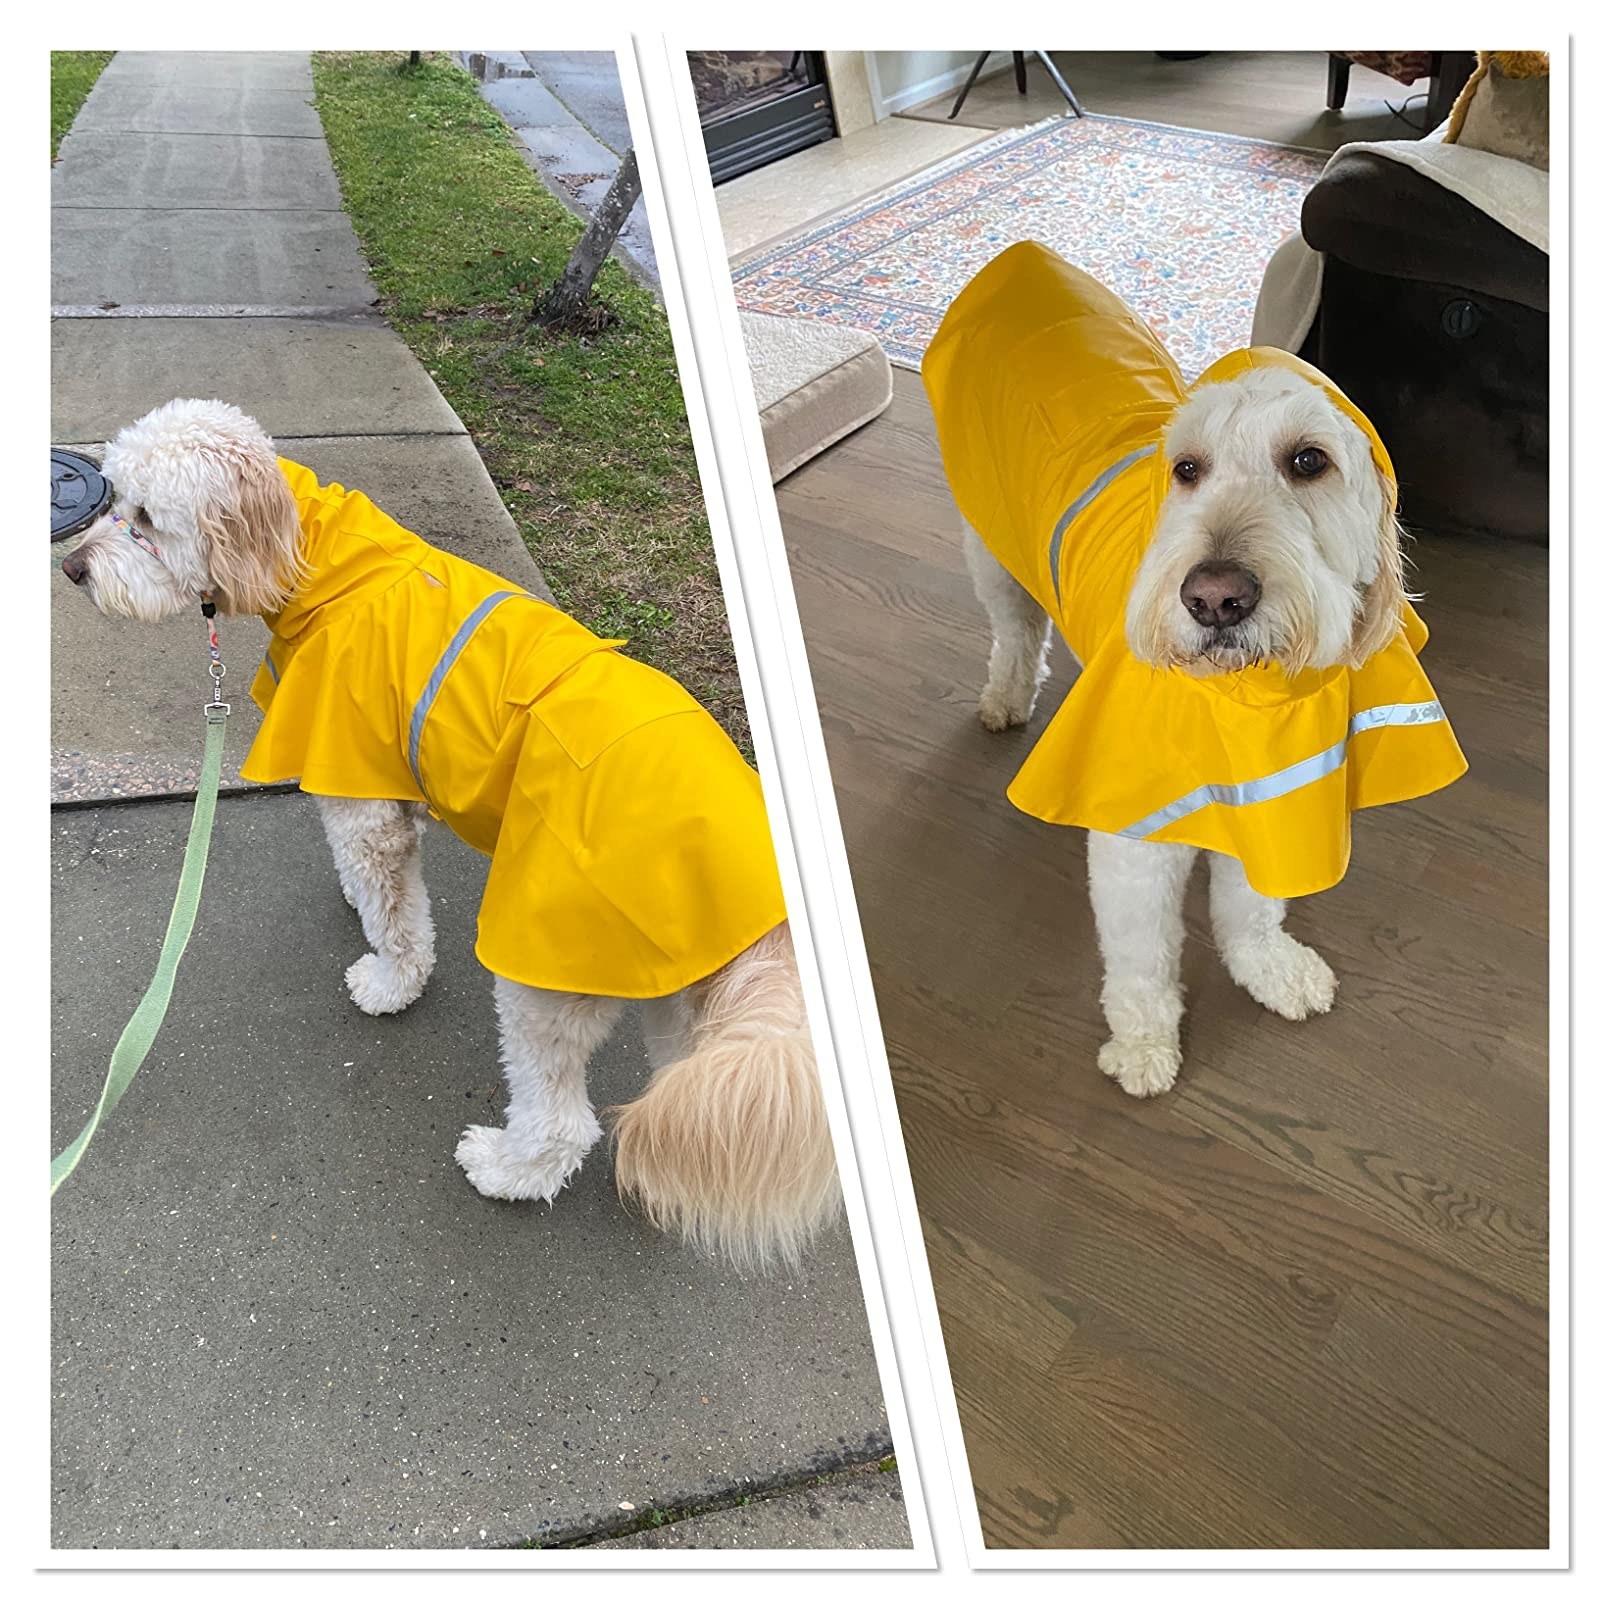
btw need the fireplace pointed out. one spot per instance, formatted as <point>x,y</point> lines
<point>757,106</point>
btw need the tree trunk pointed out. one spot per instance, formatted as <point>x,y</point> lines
<point>571,291</point>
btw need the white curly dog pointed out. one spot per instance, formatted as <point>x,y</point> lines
<point>1260,553</point>
<point>729,1145</point>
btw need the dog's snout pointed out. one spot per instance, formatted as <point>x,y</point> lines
<point>1218,594</point>
<point>75,568</point>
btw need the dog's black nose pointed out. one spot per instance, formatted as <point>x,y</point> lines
<point>1218,594</point>
<point>76,568</point>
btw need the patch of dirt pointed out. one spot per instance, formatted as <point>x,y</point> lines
<point>592,317</point>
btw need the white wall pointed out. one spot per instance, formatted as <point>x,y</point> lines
<point>906,77</point>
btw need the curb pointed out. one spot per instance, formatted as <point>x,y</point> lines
<point>581,198</point>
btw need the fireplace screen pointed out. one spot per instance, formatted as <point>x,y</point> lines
<point>759,105</point>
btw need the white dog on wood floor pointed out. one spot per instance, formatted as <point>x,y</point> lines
<point>729,1145</point>
<point>1276,542</point>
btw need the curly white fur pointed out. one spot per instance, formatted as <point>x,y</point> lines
<point>729,1145</point>
<point>1325,549</point>
<point>201,479</point>
<point>1327,555</point>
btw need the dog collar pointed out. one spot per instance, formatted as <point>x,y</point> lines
<point>144,541</point>
<point>208,605</point>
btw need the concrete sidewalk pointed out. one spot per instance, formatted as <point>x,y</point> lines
<point>198,248</point>
<point>282,1316</point>
<point>567,111</point>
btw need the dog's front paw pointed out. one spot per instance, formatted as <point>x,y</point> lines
<point>1142,1063</point>
<point>499,1172</point>
<point>381,987</point>
<point>1003,706</point>
<point>1286,976</point>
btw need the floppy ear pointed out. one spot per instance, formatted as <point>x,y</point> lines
<point>1385,595</point>
<point>252,534</point>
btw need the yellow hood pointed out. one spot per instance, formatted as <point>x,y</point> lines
<point>630,850</point>
<point>1051,397</point>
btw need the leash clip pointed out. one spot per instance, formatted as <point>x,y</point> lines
<point>216,709</point>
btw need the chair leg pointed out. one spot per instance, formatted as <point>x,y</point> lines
<point>1060,82</point>
<point>1338,80</point>
<point>1019,60</point>
<point>966,88</point>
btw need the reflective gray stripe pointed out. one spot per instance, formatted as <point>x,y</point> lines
<point>1277,784</point>
<point>1400,716</point>
<point>1083,499</point>
<point>270,665</point>
<point>435,682</point>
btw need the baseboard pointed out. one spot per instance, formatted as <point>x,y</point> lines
<point>914,94</point>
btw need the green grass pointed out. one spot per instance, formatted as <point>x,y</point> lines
<point>586,438</point>
<point>72,75</point>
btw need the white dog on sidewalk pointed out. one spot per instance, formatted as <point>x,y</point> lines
<point>1225,562</point>
<point>630,852</point>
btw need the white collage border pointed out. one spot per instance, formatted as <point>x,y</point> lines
<point>787,733</point>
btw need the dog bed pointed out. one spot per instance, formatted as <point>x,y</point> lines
<point>814,384</point>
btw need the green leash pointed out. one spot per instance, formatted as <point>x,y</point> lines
<point>145,1023</point>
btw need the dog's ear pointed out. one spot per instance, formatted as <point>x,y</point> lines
<point>252,534</point>
<point>1384,597</point>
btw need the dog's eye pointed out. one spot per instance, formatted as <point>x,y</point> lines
<point>1186,469</point>
<point>1309,463</point>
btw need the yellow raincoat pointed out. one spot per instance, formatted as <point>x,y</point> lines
<point>630,851</point>
<point>1050,397</point>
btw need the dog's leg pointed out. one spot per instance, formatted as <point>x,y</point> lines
<point>377,850</point>
<point>1017,659</point>
<point>546,1040</point>
<point>1283,974</point>
<point>1136,889</point>
<point>341,846</point>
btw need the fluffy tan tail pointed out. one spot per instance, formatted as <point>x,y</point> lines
<point>729,1148</point>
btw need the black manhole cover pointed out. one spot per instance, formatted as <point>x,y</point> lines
<point>78,494</point>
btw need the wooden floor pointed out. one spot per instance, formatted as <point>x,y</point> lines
<point>1263,94</point>
<point>1301,1301</point>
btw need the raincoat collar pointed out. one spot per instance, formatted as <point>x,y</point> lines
<point>351,549</point>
